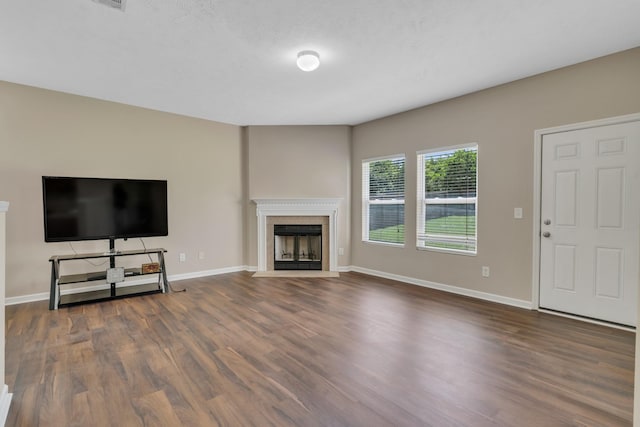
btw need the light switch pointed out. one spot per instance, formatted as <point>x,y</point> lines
<point>517,213</point>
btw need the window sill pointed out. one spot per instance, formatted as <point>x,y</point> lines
<point>393,245</point>
<point>447,251</point>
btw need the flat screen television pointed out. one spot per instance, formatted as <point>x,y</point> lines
<point>103,208</point>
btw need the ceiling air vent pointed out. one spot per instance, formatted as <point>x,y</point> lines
<point>116,4</point>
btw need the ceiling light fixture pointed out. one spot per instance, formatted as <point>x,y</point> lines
<point>308,60</point>
<point>116,4</point>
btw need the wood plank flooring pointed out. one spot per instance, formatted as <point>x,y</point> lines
<point>351,351</point>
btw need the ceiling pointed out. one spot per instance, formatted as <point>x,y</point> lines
<point>234,61</point>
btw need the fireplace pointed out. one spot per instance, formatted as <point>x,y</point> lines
<point>272,212</point>
<point>297,247</point>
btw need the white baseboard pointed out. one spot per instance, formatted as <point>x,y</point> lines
<point>22,299</point>
<point>5,402</point>
<point>447,288</point>
<point>44,296</point>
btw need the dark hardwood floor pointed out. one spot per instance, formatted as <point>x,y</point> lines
<point>351,351</point>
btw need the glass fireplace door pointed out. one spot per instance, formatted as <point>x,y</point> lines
<point>297,247</point>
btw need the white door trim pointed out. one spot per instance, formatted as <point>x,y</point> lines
<point>537,187</point>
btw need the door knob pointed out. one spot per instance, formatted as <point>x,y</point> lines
<point>546,234</point>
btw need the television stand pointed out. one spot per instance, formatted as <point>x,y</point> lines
<point>57,300</point>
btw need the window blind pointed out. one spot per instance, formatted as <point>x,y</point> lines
<point>447,199</point>
<point>383,200</point>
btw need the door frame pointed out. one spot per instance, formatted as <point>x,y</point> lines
<point>537,187</point>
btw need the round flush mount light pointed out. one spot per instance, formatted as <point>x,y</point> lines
<point>308,60</point>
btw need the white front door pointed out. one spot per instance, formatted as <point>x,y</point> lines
<point>590,222</point>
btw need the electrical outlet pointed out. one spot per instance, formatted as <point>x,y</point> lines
<point>485,271</point>
<point>200,255</point>
<point>183,257</point>
<point>340,251</point>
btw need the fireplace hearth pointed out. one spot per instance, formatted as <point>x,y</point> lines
<point>297,247</point>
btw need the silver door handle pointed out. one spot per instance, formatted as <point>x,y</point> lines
<point>546,234</point>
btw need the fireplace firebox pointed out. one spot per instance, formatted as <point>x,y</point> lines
<point>297,247</point>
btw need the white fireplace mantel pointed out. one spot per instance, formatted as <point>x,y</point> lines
<point>297,207</point>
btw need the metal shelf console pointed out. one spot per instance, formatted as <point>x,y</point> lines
<point>114,292</point>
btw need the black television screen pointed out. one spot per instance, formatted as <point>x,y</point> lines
<point>103,208</point>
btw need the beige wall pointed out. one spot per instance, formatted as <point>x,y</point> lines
<point>502,121</point>
<point>299,162</point>
<point>214,171</point>
<point>50,133</point>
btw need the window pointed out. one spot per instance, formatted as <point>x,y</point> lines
<point>383,200</point>
<point>447,199</point>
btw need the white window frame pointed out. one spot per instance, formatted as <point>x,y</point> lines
<point>366,203</point>
<point>422,203</point>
